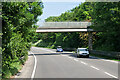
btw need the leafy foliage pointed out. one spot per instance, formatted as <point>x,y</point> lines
<point>18,21</point>
<point>105,17</point>
<point>66,40</point>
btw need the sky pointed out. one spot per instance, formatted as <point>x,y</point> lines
<point>52,8</point>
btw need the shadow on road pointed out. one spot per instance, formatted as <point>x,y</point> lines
<point>58,53</point>
<point>55,53</point>
<point>64,53</point>
<point>47,54</point>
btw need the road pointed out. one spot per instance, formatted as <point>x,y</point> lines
<point>50,64</point>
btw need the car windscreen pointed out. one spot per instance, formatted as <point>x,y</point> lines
<point>59,48</point>
<point>83,49</point>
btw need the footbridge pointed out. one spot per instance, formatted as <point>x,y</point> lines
<point>64,27</point>
<point>46,27</point>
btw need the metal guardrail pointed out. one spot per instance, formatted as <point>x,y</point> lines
<point>106,53</point>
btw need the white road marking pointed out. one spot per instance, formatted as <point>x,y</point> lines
<point>83,62</point>
<point>94,67</point>
<point>110,74</point>
<point>70,57</point>
<point>75,59</point>
<point>35,65</point>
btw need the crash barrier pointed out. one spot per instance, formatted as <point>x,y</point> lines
<point>106,53</point>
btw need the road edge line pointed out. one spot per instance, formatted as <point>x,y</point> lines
<point>110,75</point>
<point>35,65</point>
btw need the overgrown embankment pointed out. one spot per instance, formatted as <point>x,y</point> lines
<point>18,28</point>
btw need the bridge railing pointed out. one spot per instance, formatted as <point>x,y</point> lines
<point>65,25</point>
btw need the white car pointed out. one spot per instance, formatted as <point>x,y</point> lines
<point>82,52</point>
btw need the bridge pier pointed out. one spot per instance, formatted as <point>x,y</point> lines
<point>90,40</point>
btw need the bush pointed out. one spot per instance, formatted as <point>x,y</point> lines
<point>18,21</point>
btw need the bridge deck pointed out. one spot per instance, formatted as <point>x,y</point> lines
<point>64,27</point>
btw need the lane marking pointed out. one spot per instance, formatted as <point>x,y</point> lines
<point>83,62</point>
<point>70,57</point>
<point>75,59</point>
<point>94,67</point>
<point>110,74</point>
<point>34,69</point>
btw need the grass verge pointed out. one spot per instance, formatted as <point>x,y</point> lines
<point>13,68</point>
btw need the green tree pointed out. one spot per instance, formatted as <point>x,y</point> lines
<point>105,17</point>
<point>18,22</point>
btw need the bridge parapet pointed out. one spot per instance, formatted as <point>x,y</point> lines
<point>64,25</point>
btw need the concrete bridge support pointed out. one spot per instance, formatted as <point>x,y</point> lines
<point>90,40</point>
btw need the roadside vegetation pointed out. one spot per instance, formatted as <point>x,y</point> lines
<point>18,28</point>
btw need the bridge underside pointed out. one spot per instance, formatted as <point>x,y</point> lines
<point>63,30</point>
